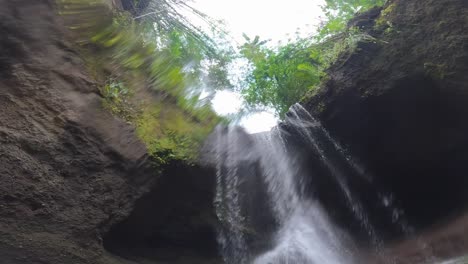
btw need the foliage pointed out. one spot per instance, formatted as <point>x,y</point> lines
<point>178,137</point>
<point>339,12</point>
<point>383,20</point>
<point>346,42</point>
<point>203,53</point>
<point>150,74</point>
<point>117,100</point>
<point>176,59</point>
<point>280,76</point>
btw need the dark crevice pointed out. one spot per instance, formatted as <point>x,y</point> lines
<point>175,222</point>
<point>412,139</point>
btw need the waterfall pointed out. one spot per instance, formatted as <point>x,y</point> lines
<point>252,166</point>
<point>318,137</point>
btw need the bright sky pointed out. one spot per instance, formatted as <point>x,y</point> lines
<point>269,19</point>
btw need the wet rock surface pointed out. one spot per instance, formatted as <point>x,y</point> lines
<point>399,105</point>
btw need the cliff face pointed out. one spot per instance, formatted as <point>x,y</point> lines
<point>399,105</point>
<point>76,185</point>
<point>69,171</point>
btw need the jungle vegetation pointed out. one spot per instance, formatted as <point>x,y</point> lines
<point>281,75</point>
<point>152,69</point>
<point>153,64</point>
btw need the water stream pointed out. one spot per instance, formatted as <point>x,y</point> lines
<point>303,234</point>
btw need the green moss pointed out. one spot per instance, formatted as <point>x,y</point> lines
<point>171,126</point>
<point>384,19</point>
<point>117,99</point>
<point>170,133</point>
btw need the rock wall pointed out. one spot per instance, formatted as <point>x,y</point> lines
<point>69,171</point>
<point>399,105</point>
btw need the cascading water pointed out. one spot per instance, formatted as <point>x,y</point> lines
<point>317,137</point>
<point>303,233</point>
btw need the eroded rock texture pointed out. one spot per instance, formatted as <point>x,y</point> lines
<point>69,171</point>
<point>398,103</point>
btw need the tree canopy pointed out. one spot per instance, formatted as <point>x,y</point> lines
<point>155,43</point>
<point>280,76</point>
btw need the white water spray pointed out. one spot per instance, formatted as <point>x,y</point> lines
<point>303,234</point>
